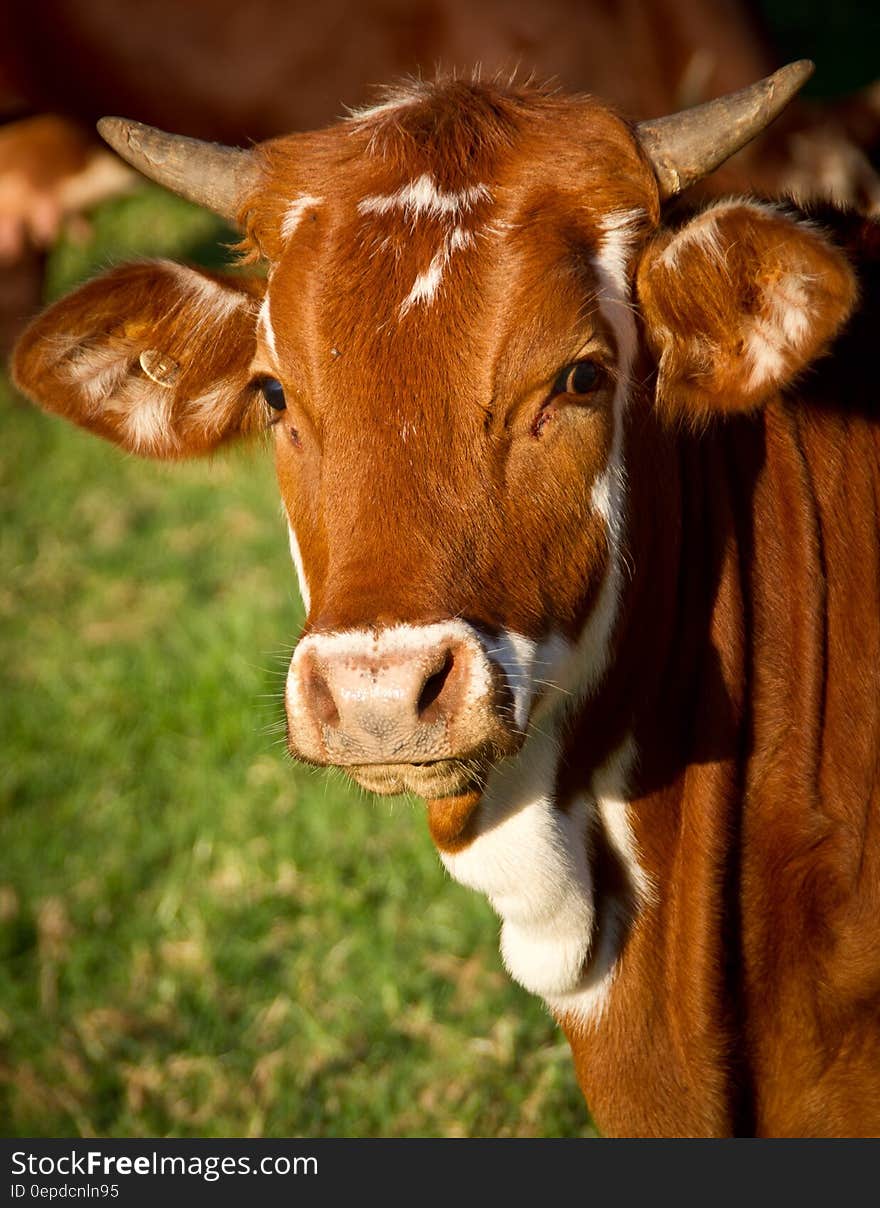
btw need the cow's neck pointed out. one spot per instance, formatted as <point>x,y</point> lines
<point>676,687</point>
<point>625,805</point>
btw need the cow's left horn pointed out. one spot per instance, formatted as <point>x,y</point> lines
<point>689,145</point>
<point>210,174</point>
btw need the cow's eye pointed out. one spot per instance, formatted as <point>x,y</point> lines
<point>273,393</point>
<point>582,377</point>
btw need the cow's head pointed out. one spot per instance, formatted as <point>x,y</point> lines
<point>441,353</point>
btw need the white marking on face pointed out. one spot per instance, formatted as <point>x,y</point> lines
<point>295,212</point>
<point>608,494</point>
<point>515,654</point>
<point>300,570</point>
<point>427,284</point>
<point>530,858</point>
<point>265,323</point>
<point>422,198</point>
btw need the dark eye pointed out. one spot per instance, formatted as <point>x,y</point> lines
<point>273,393</point>
<point>583,377</point>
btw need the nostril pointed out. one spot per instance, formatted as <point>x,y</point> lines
<point>432,688</point>
<point>323,704</point>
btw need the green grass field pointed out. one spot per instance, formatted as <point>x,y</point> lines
<point>198,938</point>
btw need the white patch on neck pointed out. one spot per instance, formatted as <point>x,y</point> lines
<point>532,860</point>
<point>586,1003</point>
<point>295,212</point>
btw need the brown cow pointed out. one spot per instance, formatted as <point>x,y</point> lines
<point>585,509</point>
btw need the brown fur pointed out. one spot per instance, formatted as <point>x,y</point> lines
<point>422,486</point>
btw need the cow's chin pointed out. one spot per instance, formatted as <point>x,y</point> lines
<point>452,792</point>
<point>440,778</point>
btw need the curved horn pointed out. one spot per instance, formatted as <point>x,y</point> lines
<point>689,145</point>
<point>210,174</point>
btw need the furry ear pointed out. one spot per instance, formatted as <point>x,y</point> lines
<point>153,356</point>
<point>736,303</point>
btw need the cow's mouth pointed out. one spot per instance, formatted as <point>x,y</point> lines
<point>436,778</point>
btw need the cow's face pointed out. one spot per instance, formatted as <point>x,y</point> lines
<point>442,353</point>
<point>448,335</point>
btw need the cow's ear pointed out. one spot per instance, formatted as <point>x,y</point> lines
<point>153,356</point>
<point>736,303</point>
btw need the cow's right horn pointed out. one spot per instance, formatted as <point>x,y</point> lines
<point>686,146</point>
<point>218,177</point>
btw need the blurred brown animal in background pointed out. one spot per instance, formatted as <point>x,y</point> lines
<point>242,73</point>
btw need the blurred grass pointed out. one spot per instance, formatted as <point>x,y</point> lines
<point>198,938</point>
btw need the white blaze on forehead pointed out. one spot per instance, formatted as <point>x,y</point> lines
<point>295,212</point>
<point>427,284</point>
<point>423,198</point>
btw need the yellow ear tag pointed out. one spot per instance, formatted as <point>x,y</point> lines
<point>161,369</point>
